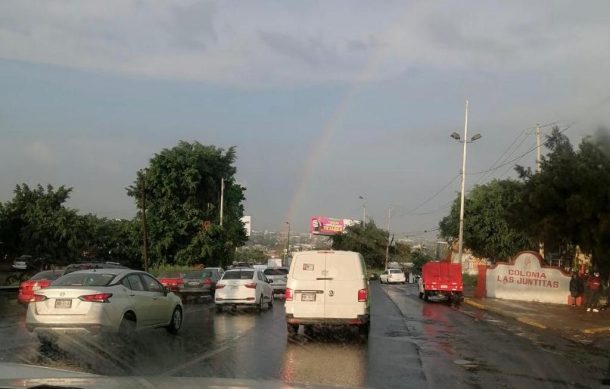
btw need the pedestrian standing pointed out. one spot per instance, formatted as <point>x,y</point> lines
<point>577,287</point>
<point>592,291</point>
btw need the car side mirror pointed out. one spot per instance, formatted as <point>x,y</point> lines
<point>166,290</point>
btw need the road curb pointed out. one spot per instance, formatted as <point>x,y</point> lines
<point>521,319</point>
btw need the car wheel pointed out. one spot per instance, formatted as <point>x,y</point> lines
<point>308,330</point>
<point>270,303</point>
<point>364,330</point>
<point>176,323</point>
<point>218,308</point>
<point>421,295</point>
<point>292,329</point>
<point>128,325</point>
<point>260,303</point>
<point>425,296</point>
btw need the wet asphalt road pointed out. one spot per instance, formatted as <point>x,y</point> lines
<point>412,344</point>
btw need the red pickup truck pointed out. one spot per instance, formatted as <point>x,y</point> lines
<point>441,279</point>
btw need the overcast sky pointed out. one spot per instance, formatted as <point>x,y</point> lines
<point>325,101</point>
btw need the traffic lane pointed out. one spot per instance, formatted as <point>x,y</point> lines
<point>492,351</point>
<point>336,357</point>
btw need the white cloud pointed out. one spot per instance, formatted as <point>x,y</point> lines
<point>260,43</point>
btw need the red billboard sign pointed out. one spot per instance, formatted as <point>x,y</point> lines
<point>323,225</point>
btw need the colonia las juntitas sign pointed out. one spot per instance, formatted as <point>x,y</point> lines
<point>527,279</point>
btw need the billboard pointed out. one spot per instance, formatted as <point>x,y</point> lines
<point>324,225</point>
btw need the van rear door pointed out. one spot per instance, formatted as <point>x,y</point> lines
<point>309,273</point>
<point>345,276</point>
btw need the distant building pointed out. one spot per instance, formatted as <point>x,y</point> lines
<point>247,221</point>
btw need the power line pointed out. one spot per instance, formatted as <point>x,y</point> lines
<point>409,212</point>
<point>519,157</point>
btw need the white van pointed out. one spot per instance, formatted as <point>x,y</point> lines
<point>327,288</point>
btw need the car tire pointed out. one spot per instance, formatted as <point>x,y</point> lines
<point>128,326</point>
<point>308,330</point>
<point>218,308</point>
<point>176,323</point>
<point>259,306</point>
<point>364,330</point>
<point>425,296</point>
<point>270,303</point>
<point>292,329</point>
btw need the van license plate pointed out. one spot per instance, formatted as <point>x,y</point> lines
<point>308,297</point>
<point>63,303</point>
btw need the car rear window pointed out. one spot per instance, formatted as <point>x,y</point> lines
<point>395,271</point>
<point>47,275</point>
<point>84,279</point>
<point>238,275</point>
<point>199,274</point>
<point>276,272</point>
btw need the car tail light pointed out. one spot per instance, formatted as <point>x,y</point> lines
<point>362,295</point>
<point>179,281</point>
<point>251,285</point>
<point>288,294</point>
<point>207,281</point>
<point>96,298</point>
<point>220,286</point>
<point>38,297</point>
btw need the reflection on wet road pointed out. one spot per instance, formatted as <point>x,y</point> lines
<point>411,344</point>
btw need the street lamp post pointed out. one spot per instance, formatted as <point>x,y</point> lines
<point>363,211</point>
<point>287,244</point>
<point>464,141</point>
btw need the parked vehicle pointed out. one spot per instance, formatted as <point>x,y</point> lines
<point>93,265</point>
<point>392,276</point>
<point>38,281</point>
<point>243,287</point>
<point>279,276</point>
<point>103,300</point>
<point>327,288</point>
<point>441,279</point>
<point>171,280</point>
<point>20,264</point>
<point>199,283</point>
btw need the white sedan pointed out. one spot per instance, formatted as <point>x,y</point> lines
<point>243,287</point>
<point>392,276</point>
<point>103,300</point>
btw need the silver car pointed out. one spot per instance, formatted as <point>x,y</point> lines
<point>103,300</point>
<point>279,276</point>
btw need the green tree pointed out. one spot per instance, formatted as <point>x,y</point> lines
<point>568,202</point>
<point>370,241</point>
<point>36,222</point>
<point>419,258</point>
<point>182,191</point>
<point>488,231</point>
<point>250,254</point>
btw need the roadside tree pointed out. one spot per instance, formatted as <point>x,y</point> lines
<point>181,188</point>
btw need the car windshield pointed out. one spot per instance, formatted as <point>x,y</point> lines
<point>84,279</point>
<point>47,275</point>
<point>276,272</point>
<point>401,191</point>
<point>238,275</point>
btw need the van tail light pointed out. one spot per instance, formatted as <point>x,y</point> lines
<point>363,295</point>
<point>288,294</point>
<point>251,285</point>
<point>220,286</point>
<point>38,297</point>
<point>96,298</point>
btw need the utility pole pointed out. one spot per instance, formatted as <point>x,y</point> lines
<point>144,223</point>
<point>222,196</point>
<point>461,234</point>
<point>363,211</point>
<point>387,247</point>
<point>538,158</point>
